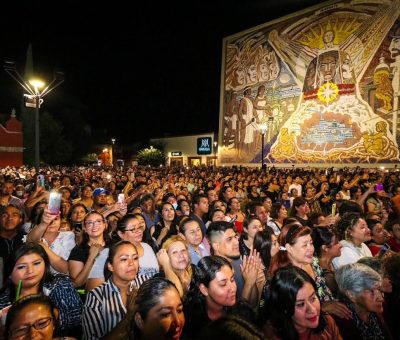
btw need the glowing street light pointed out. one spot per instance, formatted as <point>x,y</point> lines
<point>34,98</point>
<point>112,151</point>
<point>215,152</point>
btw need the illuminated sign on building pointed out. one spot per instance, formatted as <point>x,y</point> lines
<point>204,145</point>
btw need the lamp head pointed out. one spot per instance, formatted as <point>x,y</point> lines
<point>37,84</point>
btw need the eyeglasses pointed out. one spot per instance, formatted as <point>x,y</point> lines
<point>96,223</point>
<point>24,330</point>
<point>375,293</point>
<point>134,230</point>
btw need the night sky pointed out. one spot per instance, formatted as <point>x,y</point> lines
<point>134,73</point>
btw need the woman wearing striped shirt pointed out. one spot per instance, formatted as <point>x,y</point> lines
<point>106,305</point>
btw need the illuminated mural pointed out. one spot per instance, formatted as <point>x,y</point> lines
<point>323,82</point>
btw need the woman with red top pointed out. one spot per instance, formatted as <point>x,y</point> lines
<point>379,236</point>
<point>235,213</point>
<point>394,230</point>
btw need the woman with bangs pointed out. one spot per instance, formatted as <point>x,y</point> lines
<point>87,259</point>
<point>297,249</point>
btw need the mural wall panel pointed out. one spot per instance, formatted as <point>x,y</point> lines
<point>323,83</point>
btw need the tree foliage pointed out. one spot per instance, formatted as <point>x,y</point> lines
<point>54,147</point>
<point>151,156</point>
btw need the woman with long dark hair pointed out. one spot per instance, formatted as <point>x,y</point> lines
<point>132,228</point>
<point>167,226</point>
<point>327,247</point>
<point>106,305</point>
<point>87,259</point>
<point>155,314</point>
<point>293,310</point>
<point>278,214</point>
<point>30,270</point>
<point>251,226</point>
<point>214,295</point>
<point>37,311</point>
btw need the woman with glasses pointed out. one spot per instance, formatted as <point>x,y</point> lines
<point>360,290</point>
<point>131,228</point>
<point>29,273</point>
<point>106,305</point>
<point>32,312</point>
<point>87,259</point>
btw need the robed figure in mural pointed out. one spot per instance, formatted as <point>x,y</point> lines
<point>328,55</point>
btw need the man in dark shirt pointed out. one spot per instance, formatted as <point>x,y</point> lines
<point>200,210</point>
<point>11,235</point>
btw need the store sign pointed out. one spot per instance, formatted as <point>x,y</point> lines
<point>204,145</point>
<point>176,153</point>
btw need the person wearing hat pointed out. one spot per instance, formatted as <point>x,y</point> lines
<point>100,199</point>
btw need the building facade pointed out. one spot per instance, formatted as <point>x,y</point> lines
<point>190,150</point>
<point>11,142</point>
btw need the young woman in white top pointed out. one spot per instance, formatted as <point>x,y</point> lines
<point>57,243</point>
<point>354,232</point>
<point>131,228</point>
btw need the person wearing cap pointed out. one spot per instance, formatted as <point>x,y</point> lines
<point>100,203</point>
<point>100,199</point>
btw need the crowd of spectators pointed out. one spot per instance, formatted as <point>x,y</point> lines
<point>203,252</point>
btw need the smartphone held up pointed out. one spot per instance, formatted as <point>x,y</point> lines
<point>121,198</point>
<point>54,203</point>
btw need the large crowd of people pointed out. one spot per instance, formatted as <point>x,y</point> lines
<point>203,252</point>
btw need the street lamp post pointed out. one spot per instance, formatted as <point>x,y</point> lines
<point>263,130</point>
<point>112,151</point>
<point>215,152</point>
<point>34,98</point>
